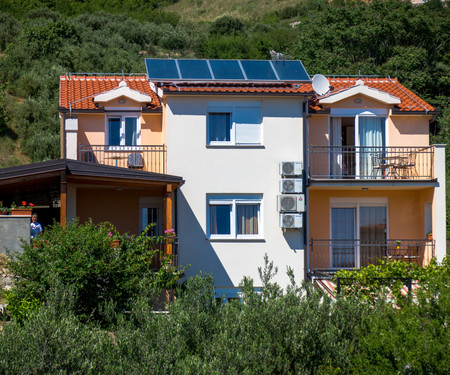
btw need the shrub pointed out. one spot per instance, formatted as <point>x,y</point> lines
<point>81,256</point>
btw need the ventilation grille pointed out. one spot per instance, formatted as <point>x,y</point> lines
<point>291,185</point>
<point>291,220</point>
<point>291,168</point>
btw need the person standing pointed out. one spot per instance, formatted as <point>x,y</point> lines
<point>35,227</point>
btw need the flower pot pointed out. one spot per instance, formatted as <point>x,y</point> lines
<point>21,211</point>
<point>429,237</point>
<point>4,212</point>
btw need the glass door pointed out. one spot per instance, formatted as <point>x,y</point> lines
<point>343,245</point>
<point>372,234</point>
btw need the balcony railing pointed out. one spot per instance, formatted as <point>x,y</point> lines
<point>327,255</point>
<point>151,158</point>
<point>166,248</point>
<point>376,163</point>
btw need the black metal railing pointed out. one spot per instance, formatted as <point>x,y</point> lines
<point>351,162</point>
<point>331,254</point>
<point>150,158</point>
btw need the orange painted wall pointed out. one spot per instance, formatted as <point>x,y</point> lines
<point>406,213</point>
<point>91,129</point>
<point>151,129</point>
<point>408,130</point>
<point>103,204</point>
<point>318,130</point>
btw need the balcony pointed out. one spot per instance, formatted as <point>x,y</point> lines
<point>327,255</point>
<point>166,248</point>
<point>371,163</point>
<point>150,158</point>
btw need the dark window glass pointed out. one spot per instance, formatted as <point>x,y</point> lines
<point>114,131</point>
<point>220,219</point>
<point>219,127</point>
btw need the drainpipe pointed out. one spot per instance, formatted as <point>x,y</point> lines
<point>306,168</point>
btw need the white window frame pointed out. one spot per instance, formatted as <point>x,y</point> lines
<point>232,108</point>
<point>123,116</point>
<point>233,201</point>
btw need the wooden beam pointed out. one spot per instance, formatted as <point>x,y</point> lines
<point>63,197</point>
<point>168,216</point>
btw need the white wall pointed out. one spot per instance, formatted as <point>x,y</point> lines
<point>233,170</point>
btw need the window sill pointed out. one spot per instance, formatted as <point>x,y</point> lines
<point>235,239</point>
<point>235,146</point>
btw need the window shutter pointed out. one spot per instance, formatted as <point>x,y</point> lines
<point>248,125</point>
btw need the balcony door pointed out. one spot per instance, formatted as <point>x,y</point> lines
<point>355,141</point>
<point>358,233</point>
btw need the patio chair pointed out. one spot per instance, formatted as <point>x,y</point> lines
<point>89,157</point>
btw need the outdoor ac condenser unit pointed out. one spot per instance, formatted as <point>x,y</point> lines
<point>291,185</point>
<point>291,203</point>
<point>291,168</point>
<point>291,221</point>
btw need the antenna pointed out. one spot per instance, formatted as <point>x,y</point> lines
<point>320,84</point>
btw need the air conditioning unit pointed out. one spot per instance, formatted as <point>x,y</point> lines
<point>291,221</point>
<point>291,185</point>
<point>291,203</point>
<point>291,168</point>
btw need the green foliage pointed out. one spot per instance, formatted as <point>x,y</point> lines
<point>81,256</point>
<point>270,331</point>
<point>227,25</point>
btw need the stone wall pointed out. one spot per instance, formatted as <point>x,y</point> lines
<point>12,230</point>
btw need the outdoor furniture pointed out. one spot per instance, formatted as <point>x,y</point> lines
<point>89,157</point>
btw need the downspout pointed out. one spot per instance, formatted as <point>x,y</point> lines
<point>306,179</point>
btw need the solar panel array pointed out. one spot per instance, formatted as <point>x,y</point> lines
<point>225,70</point>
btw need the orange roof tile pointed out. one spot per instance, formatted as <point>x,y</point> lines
<point>236,88</point>
<point>410,102</point>
<point>77,91</point>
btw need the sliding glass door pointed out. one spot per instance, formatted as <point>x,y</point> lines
<point>358,235</point>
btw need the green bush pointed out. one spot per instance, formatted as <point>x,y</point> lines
<point>81,257</point>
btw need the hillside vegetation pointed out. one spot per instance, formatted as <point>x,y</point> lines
<point>43,39</point>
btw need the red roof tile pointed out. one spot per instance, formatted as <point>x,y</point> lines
<point>78,91</point>
<point>410,102</point>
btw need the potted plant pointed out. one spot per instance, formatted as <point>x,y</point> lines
<point>4,210</point>
<point>429,236</point>
<point>24,209</point>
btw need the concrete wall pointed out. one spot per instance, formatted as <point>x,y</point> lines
<point>233,170</point>
<point>12,230</point>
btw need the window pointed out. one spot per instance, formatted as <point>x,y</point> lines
<point>123,130</point>
<point>234,217</point>
<point>234,125</point>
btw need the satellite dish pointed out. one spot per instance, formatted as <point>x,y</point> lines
<point>320,84</point>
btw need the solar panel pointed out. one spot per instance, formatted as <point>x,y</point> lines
<point>194,69</point>
<point>225,70</point>
<point>288,70</point>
